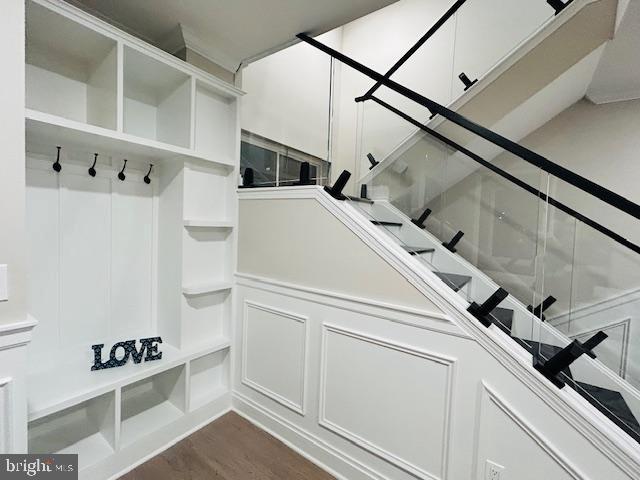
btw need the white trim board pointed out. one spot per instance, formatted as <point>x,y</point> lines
<point>567,403</point>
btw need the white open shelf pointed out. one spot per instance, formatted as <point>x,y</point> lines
<point>45,131</point>
<point>71,70</point>
<point>151,403</point>
<point>134,260</point>
<point>213,133</point>
<point>202,223</point>
<point>208,378</point>
<point>157,100</point>
<point>207,287</point>
<point>86,429</point>
<point>50,392</point>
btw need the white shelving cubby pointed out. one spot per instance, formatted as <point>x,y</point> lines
<point>208,378</point>
<point>113,260</point>
<point>87,429</point>
<point>157,100</point>
<point>71,70</point>
<point>214,135</point>
<point>151,403</point>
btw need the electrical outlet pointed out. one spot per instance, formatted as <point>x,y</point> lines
<point>493,471</point>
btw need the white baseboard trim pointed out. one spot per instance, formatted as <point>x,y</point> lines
<point>304,443</point>
<point>157,451</point>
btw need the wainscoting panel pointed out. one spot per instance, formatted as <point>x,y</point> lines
<point>504,437</point>
<point>274,354</point>
<point>388,398</point>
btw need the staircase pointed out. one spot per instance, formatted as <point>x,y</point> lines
<point>513,318</point>
<point>491,231</point>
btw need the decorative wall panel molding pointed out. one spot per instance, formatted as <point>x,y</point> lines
<point>389,399</point>
<point>274,354</point>
<point>495,417</point>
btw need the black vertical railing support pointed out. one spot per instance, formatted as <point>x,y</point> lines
<point>558,5</point>
<point>467,83</point>
<point>565,357</point>
<point>305,174</point>
<point>419,222</point>
<point>481,312</point>
<point>546,303</point>
<point>372,160</point>
<point>336,190</point>
<point>363,191</point>
<point>450,245</point>
<point>247,178</point>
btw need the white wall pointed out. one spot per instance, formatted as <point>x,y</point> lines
<point>12,180</point>
<point>288,96</point>
<point>382,391</point>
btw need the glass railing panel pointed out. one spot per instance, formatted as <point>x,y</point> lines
<point>590,266</point>
<point>499,220</point>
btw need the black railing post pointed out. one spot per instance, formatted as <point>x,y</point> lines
<point>247,178</point>
<point>546,303</point>
<point>465,80</point>
<point>419,222</point>
<point>305,174</point>
<point>481,312</point>
<point>565,357</point>
<point>336,190</point>
<point>372,161</point>
<point>558,5</point>
<point>450,245</point>
<point>363,191</point>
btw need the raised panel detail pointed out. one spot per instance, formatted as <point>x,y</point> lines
<point>274,354</point>
<point>5,416</point>
<point>505,437</point>
<point>390,399</point>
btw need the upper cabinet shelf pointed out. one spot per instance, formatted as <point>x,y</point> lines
<point>157,100</point>
<point>71,70</point>
<point>94,82</point>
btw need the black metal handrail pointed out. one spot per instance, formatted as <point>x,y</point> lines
<point>557,5</point>
<point>541,195</point>
<point>572,178</point>
<point>416,46</point>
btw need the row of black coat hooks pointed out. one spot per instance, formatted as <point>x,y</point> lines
<point>57,167</point>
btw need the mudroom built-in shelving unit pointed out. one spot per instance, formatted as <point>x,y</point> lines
<point>143,247</point>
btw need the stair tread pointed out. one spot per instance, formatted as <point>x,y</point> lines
<point>358,199</point>
<point>386,224</point>
<point>418,250</point>
<point>504,317</point>
<point>613,405</point>
<point>454,280</point>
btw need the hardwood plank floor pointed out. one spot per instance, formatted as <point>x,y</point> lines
<point>231,448</point>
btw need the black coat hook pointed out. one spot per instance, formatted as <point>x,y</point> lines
<point>147,179</point>
<point>92,170</point>
<point>56,166</point>
<point>121,175</point>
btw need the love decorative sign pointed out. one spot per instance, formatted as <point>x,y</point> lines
<point>147,345</point>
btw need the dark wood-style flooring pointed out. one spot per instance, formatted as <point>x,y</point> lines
<point>230,448</point>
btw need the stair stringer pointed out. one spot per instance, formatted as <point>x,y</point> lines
<point>567,403</point>
<point>530,328</point>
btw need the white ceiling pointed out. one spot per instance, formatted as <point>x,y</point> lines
<point>230,31</point>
